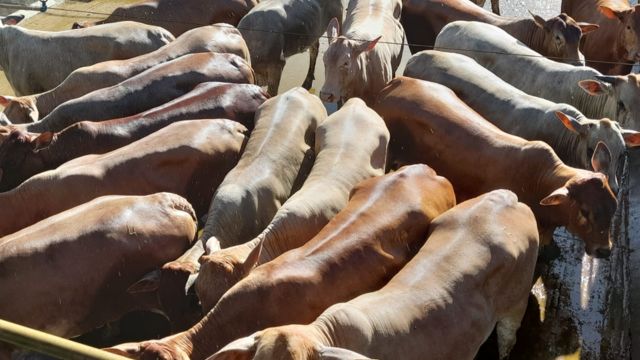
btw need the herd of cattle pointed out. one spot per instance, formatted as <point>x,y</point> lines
<point>149,170</point>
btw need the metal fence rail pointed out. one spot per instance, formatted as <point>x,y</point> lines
<point>30,339</point>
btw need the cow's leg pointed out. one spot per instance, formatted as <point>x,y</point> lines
<point>507,328</point>
<point>274,72</point>
<point>495,6</point>
<point>313,57</point>
<point>479,2</point>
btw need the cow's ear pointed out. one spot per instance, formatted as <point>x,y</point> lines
<point>335,353</point>
<point>5,100</point>
<point>148,283</point>
<point>586,27</point>
<point>42,141</point>
<point>559,196</point>
<point>572,124</point>
<point>631,137</point>
<point>595,87</point>
<point>540,22</point>
<point>333,30</point>
<point>12,19</point>
<point>241,349</point>
<point>252,260</point>
<point>612,13</point>
<point>366,45</point>
<point>601,158</point>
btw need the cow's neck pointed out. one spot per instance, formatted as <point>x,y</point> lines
<point>568,146</point>
<point>548,174</point>
<point>597,107</point>
<point>209,335</point>
<point>526,31</point>
<point>330,331</point>
<point>69,144</point>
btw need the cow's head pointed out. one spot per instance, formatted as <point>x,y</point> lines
<point>19,110</point>
<point>622,94</point>
<point>342,62</point>
<point>562,36</point>
<point>628,19</point>
<point>19,158</point>
<point>589,204</point>
<point>219,271</point>
<point>614,138</point>
<point>290,342</point>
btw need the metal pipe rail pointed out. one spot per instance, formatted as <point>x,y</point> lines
<point>35,340</point>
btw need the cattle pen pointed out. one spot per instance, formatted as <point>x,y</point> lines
<point>584,308</point>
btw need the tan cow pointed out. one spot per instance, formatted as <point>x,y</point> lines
<point>274,163</point>
<point>220,38</point>
<point>179,16</point>
<point>69,273</point>
<point>340,164</point>
<point>189,158</point>
<point>277,29</point>
<point>557,38</point>
<point>571,135</point>
<point>474,271</point>
<point>357,63</point>
<point>69,50</point>
<point>24,154</point>
<point>430,124</point>
<point>382,227</point>
<point>146,90</point>
<point>617,41</point>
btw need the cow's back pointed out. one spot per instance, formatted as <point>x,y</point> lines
<point>69,273</point>
<point>412,107</point>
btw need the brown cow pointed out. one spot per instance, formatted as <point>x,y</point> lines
<point>146,90</point>
<point>179,16</point>
<point>274,163</point>
<point>220,38</point>
<point>383,226</point>
<point>470,275</point>
<point>355,64</point>
<point>618,39</point>
<point>340,164</point>
<point>277,29</point>
<point>430,124</point>
<point>557,38</point>
<point>69,273</point>
<point>25,154</point>
<point>189,158</point>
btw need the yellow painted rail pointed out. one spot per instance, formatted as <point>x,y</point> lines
<point>27,338</point>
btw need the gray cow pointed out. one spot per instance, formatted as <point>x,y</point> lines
<point>357,63</point>
<point>595,95</point>
<point>571,135</point>
<point>277,29</point>
<point>66,51</point>
<point>340,164</point>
